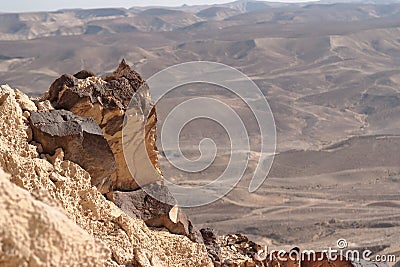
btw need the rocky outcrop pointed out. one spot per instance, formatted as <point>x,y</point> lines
<point>81,140</point>
<point>59,215</point>
<point>66,186</point>
<point>106,100</point>
<point>213,249</point>
<point>156,213</point>
<point>233,250</point>
<point>33,233</point>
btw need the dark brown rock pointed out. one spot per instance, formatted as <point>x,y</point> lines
<point>81,139</point>
<point>213,249</point>
<point>154,211</point>
<point>83,74</point>
<point>106,100</point>
<point>277,259</point>
<point>122,73</point>
<point>65,81</point>
<point>322,260</point>
<point>3,98</point>
<point>113,91</point>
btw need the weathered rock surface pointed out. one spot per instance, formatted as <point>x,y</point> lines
<point>24,101</point>
<point>35,234</point>
<point>81,140</point>
<point>65,186</point>
<point>107,100</point>
<point>238,250</point>
<point>213,249</point>
<point>154,212</point>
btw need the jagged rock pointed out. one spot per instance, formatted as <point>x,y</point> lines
<point>130,241</point>
<point>3,98</point>
<point>213,249</point>
<point>106,100</point>
<point>238,250</point>
<point>35,234</point>
<point>83,74</point>
<point>24,101</point>
<point>44,105</point>
<point>81,139</point>
<point>154,211</point>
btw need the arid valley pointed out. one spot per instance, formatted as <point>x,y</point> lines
<point>330,72</point>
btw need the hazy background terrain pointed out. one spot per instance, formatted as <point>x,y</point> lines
<point>330,71</point>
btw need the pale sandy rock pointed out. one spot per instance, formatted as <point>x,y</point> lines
<point>57,157</point>
<point>44,105</point>
<point>63,184</point>
<point>26,114</point>
<point>24,101</point>
<point>35,234</point>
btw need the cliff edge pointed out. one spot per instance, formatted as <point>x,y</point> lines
<point>68,197</point>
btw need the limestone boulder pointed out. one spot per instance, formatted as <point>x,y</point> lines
<point>35,234</point>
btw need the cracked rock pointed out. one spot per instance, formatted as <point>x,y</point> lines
<point>81,139</point>
<point>155,212</point>
<point>106,100</point>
